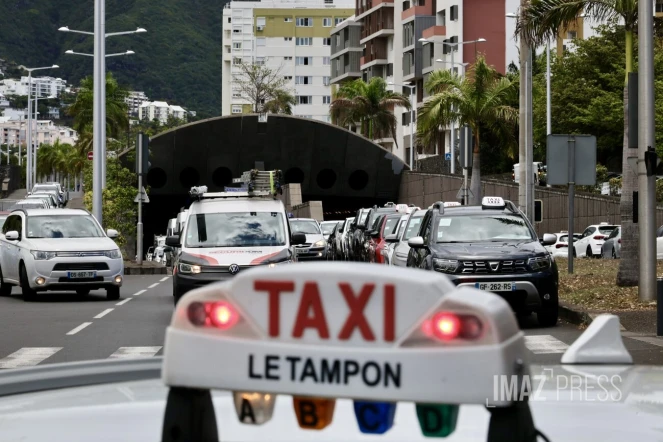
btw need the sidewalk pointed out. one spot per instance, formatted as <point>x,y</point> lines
<point>635,321</point>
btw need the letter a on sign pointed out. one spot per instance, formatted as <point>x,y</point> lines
<point>310,302</point>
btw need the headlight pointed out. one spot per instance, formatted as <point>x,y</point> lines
<point>189,268</point>
<point>445,265</point>
<point>540,263</point>
<point>113,254</point>
<point>39,255</point>
<point>275,264</point>
<point>320,243</point>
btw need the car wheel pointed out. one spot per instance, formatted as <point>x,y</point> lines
<point>28,293</point>
<point>82,292</point>
<point>5,288</point>
<point>113,293</point>
<point>588,253</point>
<point>547,316</point>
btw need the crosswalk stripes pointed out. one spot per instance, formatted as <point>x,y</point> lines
<point>134,352</point>
<point>28,356</point>
<point>544,344</point>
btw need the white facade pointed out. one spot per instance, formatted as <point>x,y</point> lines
<point>160,110</point>
<point>304,61</point>
<point>13,132</point>
<point>43,87</point>
<point>134,100</point>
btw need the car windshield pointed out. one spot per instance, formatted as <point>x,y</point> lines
<point>28,205</point>
<point>362,217</point>
<point>44,189</point>
<point>63,226</point>
<point>235,229</point>
<point>412,227</point>
<point>390,225</point>
<point>305,226</point>
<point>469,228</point>
<point>327,227</point>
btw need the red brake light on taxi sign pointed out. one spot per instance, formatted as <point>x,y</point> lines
<point>446,326</point>
<point>254,408</point>
<point>374,417</point>
<point>221,314</point>
<point>313,413</point>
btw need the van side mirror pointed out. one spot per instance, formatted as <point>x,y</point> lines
<point>12,235</point>
<point>548,239</point>
<point>391,238</point>
<point>112,233</point>
<point>173,241</point>
<point>298,238</point>
<point>416,242</point>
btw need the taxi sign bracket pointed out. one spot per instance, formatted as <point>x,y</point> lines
<point>189,416</point>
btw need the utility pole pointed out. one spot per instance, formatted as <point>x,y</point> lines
<point>98,111</point>
<point>646,140</point>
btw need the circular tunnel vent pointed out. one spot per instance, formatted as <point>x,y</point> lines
<point>358,180</point>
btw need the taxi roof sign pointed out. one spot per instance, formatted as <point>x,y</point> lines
<point>493,202</point>
<point>340,330</point>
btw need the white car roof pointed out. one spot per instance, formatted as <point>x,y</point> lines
<point>236,205</point>
<point>51,212</point>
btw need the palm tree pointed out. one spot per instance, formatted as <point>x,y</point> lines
<point>281,103</point>
<point>117,120</point>
<point>369,106</point>
<point>541,21</point>
<point>481,100</point>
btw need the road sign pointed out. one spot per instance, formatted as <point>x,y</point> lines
<point>447,156</point>
<point>90,155</point>
<point>142,196</point>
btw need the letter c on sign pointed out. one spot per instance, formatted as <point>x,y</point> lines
<point>367,415</point>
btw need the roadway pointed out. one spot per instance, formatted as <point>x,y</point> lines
<point>63,327</point>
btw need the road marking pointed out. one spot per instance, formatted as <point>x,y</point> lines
<point>79,328</point>
<point>542,344</point>
<point>28,356</point>
<point>124,302</point>
<point>164,279</point>
<point>134,352</point>
<point>104,313</point>
<point>153,285</point>
<point>139,293</point>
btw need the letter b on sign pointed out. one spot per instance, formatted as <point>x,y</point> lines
<point>312,413</point>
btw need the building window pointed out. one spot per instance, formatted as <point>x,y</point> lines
<point>229,20</point>
<point>287,19</point>
<point>659,6</point>
<point>287,58</point>
<point>237,45</point>
<point>261,41</point>
<point>305,22</point>
<point>237,95</point>
<point>304,99</point>
<point>287,38</point>
<point>304,61</point>
<point>453,12</point>
<point>571,35</point>
<point>326,99</point>
<point>288,78</point>
<point>237,29</point>
<point>237,61</point>
<point>326,22</point>
<point>338,20</point>
<point>260,61</point>
<point>326,41</point>
<point>237,109</point>
<point>260,21</point>
<point>326,80</point>
<point>326,61</point>
<point>304,41</point>
<point>300,79</point>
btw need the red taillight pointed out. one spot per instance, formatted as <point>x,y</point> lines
<point>220,314</point>
<point>599,237</point>
<point>559,246</point>
<point>447,326</point>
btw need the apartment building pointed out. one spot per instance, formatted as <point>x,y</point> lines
<point>160,110</point>
<point>13,132</point>
<point>134,101</point>
<point>289,37</point>
<point>42,87</point>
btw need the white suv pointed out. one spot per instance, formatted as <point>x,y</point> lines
<point>592,240</point>
<point>42,249</point>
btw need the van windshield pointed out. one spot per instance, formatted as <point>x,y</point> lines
<point>235,229</point>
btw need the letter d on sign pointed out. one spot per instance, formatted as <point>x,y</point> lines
<point>438,420</point>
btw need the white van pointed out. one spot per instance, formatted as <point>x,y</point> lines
<point>228,232</point>
<point>539,171</point>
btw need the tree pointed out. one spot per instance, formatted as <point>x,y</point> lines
<point>481,99</point>
<point>370,106</point>
<point>117,120</point>
<point>281,103</point>
<point>259,85</point>
<point>541,21</point>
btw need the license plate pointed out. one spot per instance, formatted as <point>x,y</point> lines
<point>81,275</point>
<point>496,286</point>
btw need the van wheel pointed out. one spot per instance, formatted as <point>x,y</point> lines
<point>28,293</point>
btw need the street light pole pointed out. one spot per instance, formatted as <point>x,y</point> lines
<point>412,105</point>
<point>646,140</point>
<point>548,98</point>
<point>99,103</point>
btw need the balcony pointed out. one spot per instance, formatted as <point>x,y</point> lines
<point>369,6</point>
<point>377,24</point>
<point>435,34</point>
<point>416,10</point>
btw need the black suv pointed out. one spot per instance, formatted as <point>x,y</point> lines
<point>492,247</point>
<point>363,238</point>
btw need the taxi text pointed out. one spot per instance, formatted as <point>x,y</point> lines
<point>324,371</point>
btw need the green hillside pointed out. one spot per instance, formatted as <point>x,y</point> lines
<point>178,60</point>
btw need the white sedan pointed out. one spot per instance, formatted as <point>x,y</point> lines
<point>592,240</point>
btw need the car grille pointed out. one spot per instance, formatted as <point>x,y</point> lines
<point>494,267</point>
<point>220,269</point>
<point>80,266</point>
<point>80,254</point>
<point>96,279</point>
